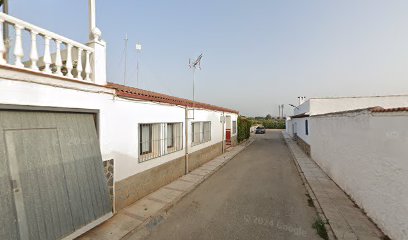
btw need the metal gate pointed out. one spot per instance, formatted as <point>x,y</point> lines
<point>51,174</point>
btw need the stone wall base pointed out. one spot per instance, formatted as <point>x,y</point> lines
<point>133,188</point>
<point>202,156</point>
<point>303,145</point>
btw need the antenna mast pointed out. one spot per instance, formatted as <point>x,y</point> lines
<point>194,66</point>
<point>138,50</point>
<point>124,74</point>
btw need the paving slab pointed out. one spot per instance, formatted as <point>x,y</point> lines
<point>346,221</point>
<point>165,195</point>
<point>149,209</point>
<point>119,225</point>
<point>192,178</point>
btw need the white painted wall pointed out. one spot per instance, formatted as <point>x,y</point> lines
<point>216,128</point>
<point>367,156</point>
<point>118,117</point>
<point>299,128</point>
<point>315,106</point>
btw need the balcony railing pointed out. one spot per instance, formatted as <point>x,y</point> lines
<point>74,61</point>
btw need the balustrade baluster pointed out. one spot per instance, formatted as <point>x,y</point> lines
<point>68,63</point>
<point>34,53</point>
<point>2,47</point>
<point>58,59</point>
<point>79,64</point>
<point>18,48</point>
<point>87,66</point>
<point>47,55</point>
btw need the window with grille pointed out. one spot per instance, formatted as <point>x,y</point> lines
<point>234,127</point>
<point>158,139</point>
<point>201,132</point>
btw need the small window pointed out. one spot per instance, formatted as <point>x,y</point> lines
<point>234,127</point>
<point>307,127</point>
<point>201,132</point>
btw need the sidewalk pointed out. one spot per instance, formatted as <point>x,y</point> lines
<point>147,210</point>
<point>345,219</point>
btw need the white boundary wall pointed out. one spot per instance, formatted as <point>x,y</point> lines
<point>118,118</point>
<point>366,154</point>
<point>316,106</point>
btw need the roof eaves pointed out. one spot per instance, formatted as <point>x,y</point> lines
<point>136,93</point>
<point>382,110</point>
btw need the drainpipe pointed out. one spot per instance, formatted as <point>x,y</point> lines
<point>223,131</point>
<point>186,133</point>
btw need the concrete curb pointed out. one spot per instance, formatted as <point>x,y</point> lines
<point>312,195</point>
<point>143,229</point>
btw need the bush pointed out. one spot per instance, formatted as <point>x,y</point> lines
<point>274,124</point>
<point>244,128</point>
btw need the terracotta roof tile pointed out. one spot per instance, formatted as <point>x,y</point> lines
<point>136,93</point>
<point>380,109</point>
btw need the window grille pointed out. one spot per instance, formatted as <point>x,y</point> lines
<point>206,131</point>
<point>234,127</point>
<point>158,139</point>
<point>201,132</point>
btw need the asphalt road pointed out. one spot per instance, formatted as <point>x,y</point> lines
<point>257,195</point>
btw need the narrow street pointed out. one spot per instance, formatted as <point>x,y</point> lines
<point>257,195</point>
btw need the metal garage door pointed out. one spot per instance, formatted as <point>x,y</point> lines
<point>51,174</point>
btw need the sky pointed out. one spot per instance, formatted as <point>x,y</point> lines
<point>257,54</point>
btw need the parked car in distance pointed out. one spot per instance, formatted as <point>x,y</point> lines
<point>260,130</point>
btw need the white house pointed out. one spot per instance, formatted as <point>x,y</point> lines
<point>76,148</point>
<point>298,125</point>
<point>360,142</point>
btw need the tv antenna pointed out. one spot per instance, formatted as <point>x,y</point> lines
<point>195,65</point>
<point>125,73</point>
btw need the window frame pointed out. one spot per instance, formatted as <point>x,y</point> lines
<point>158,139</point>
<point>201,131</point>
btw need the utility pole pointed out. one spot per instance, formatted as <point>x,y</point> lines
<point>279,107</point>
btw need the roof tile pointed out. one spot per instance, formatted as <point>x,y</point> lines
<point>136,93</point>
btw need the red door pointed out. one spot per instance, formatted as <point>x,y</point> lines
<point>228,136</point>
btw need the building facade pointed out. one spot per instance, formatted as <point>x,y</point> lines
<point>77,148</point>
<point>359,143</point>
